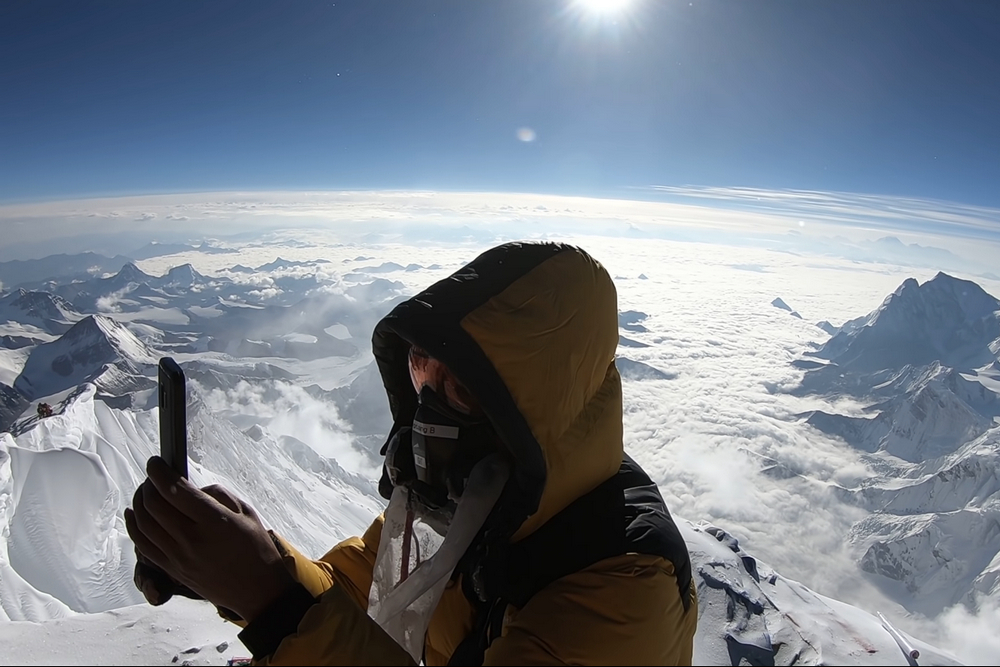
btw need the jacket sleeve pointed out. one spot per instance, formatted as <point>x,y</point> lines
<point>324,619</point>
<point>349,564</point>
<point>625,610</point>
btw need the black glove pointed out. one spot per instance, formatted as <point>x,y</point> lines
<point>156,585</point>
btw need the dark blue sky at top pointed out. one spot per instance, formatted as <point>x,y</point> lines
<point>893,97</point>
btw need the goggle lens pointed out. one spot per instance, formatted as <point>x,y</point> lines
<point>426,371</point>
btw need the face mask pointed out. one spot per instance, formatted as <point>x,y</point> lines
<point>435,457</point>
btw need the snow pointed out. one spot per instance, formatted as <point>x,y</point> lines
<point>23,334</point>
<point>183,275</point>
<point>65,483</point>
<point>338,331</point>
<point>59,497</point>
<point>181,632</point>
<point>200,311</point>
<point>11,363</point>
<point>161,315</point>
<point>44,311</point>
<point>765,617</point>
<point>781,305</point>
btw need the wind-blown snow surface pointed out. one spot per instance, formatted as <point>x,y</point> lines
<point>707,364</point>
<point>66,481</point>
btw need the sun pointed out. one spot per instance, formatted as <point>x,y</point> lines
<point>603,6</point>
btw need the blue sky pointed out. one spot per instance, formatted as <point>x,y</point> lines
<point>892,98</point>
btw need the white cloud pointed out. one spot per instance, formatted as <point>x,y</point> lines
<point>730,215</point>
<point>265,294</point>
<point>109,302</point>
<point>971,636</point>
<point>287,409</point>
<point>883,211</point>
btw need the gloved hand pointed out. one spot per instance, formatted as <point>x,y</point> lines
<point>156,585</point>
<point>206,539</point>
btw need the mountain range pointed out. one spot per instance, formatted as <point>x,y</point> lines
<point>926,364</point>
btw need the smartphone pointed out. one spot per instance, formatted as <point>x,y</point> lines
<point>173,416</point>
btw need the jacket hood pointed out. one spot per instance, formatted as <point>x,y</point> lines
<point>531,329</point>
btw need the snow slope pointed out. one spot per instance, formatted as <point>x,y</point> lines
<point>934,414</point>
<point>937,531</point>
<point>749,614</point>
<point>65,482</point>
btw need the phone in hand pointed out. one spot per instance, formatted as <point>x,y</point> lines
<point>173,415</point>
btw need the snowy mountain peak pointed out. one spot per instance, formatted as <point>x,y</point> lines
<point>39,304</point>
<point>183,275</point>
<point>130,273</point>
<point>127,278</point>
<point>968,298</point>
<point>83,354</point>
<point>946,319</point>
<point>282,263</point>
<point>44,310</point>
<point>908,284</point>
<point>944,296</point>
<point>100,331</point>
<point>934,413</point>
<point>781,305</point>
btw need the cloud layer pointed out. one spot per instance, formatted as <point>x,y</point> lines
<point>796,220</point>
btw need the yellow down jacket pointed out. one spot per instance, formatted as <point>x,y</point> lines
<point>531,330</point>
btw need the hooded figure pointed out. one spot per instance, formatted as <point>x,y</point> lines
<point>518,531</point>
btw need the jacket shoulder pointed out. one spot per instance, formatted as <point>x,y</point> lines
<point>622,610</point>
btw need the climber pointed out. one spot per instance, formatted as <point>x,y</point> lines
<point>517,530</point>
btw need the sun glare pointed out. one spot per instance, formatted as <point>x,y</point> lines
<point>603,6</point>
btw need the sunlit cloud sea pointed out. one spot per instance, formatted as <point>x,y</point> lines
<point>935,234</point>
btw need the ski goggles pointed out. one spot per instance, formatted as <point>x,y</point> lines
<point>426,371</point>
